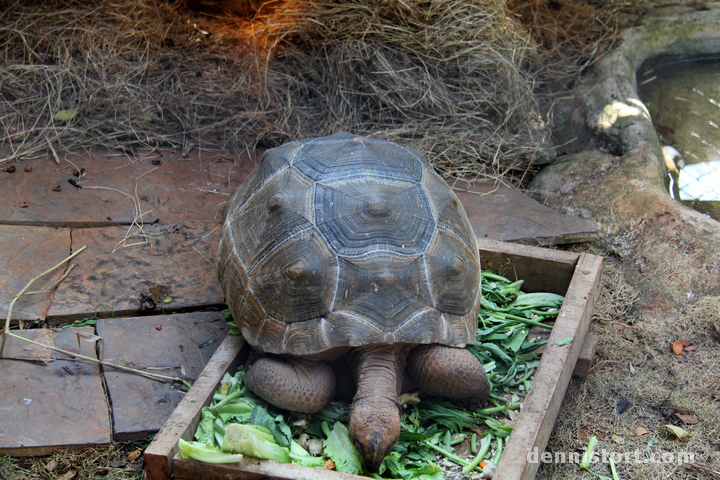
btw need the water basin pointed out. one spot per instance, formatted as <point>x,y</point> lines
<point>683,98</point>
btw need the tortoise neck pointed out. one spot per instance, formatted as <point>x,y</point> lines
<point>378,371</point>
<point>375,411</point>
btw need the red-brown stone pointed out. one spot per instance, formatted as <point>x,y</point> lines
<point>49,400</point>
<point>181,348</point>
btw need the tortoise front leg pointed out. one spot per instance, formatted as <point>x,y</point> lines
<point>449,372</point>
<point>292,383</point>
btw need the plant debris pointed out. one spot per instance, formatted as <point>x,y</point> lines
<point>457,80</point>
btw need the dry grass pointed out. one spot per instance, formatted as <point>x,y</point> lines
<point>109,463</point>
<point>634,363</point>
<point>455,79</point>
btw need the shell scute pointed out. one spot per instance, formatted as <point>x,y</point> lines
<point>296,281</point>
<point>382,289</point>
<point>360,216</point>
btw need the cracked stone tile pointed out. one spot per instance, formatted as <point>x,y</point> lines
<point>49,400</point>
<point>169,266</point>
<point>28,252</point>
<point>171,345</point>
<point>118,189</point>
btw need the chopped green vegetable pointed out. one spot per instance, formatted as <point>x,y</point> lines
<point>342,451</point>
<point>484,449</point>
<point>206,453</point>
<point>255,441</point>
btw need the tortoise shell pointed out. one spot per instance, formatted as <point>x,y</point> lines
<point>346,241</point>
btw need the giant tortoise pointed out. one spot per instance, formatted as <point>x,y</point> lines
<point>348,250</point>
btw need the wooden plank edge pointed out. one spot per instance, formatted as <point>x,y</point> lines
<point>160,453</point>
<point>530,251</point>
<point>253,468</point>
<point>59,320</point>
<point>586,356</point>
<point>562,239</point>
<point>44,450</point>
<point>540,409</point>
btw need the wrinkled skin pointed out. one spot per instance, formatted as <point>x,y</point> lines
<point>302,385</point>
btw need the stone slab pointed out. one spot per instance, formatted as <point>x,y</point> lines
<point>26,252</point>
<point>172,264</point>
<point>118,188</point>
<point>498,212</point>
<point>165,342</point>
<point>46,406</point>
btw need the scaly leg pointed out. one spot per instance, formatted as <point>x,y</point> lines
<point>449,372</point>
<point>292,383</point>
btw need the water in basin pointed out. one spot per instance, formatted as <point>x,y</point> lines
<point>683,98</point>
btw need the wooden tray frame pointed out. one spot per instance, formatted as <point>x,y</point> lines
<point>575,275</point>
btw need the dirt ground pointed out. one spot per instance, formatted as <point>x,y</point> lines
<point>661,285</point>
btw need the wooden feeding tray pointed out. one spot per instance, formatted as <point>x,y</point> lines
<point>574,275</point>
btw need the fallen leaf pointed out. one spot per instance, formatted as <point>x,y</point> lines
<point>51,465</point>
<point>64,115</point>
<point>686,342</point>
<point>564,341</point>
<point>67,475</point>
<point>677,347</point>
<point>158,327</point>
<point>715,330</point>
<point>677,431</point>
<point>330,465</point>
<point>132,456</point>
<point>640,431</point>
<point>617,439</point>
<point>89,337</point>
<point>691,348</point>
<point>687,419</point>
<point>585,433</point>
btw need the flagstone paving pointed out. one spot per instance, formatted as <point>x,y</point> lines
<point>157,269</point>
<point>48,400</point>
<point>149,224</point>
<point>170,345</point>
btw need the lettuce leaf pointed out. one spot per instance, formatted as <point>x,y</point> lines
<point>254,441</point>
<point>206,453</point>
<point>342,451</point>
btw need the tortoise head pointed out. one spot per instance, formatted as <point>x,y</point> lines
<point>374,429</point>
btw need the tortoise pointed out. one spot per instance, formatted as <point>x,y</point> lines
<point>351,252</point>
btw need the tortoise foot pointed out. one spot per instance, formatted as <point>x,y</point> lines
<point>453,373</point>
<point>293,384</point>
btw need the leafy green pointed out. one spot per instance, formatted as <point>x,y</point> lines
<point>301,456</point>
<point>407,468</point>
<point>205,430</point>
<point>275,424</point>
<point>537,300</point>
<point>447,415</point>
<point>255,441</point>
<point>342,451</point>
<point>206,453</point>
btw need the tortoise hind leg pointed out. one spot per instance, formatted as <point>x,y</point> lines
<point>292,383</point>
<point>449,372</point>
